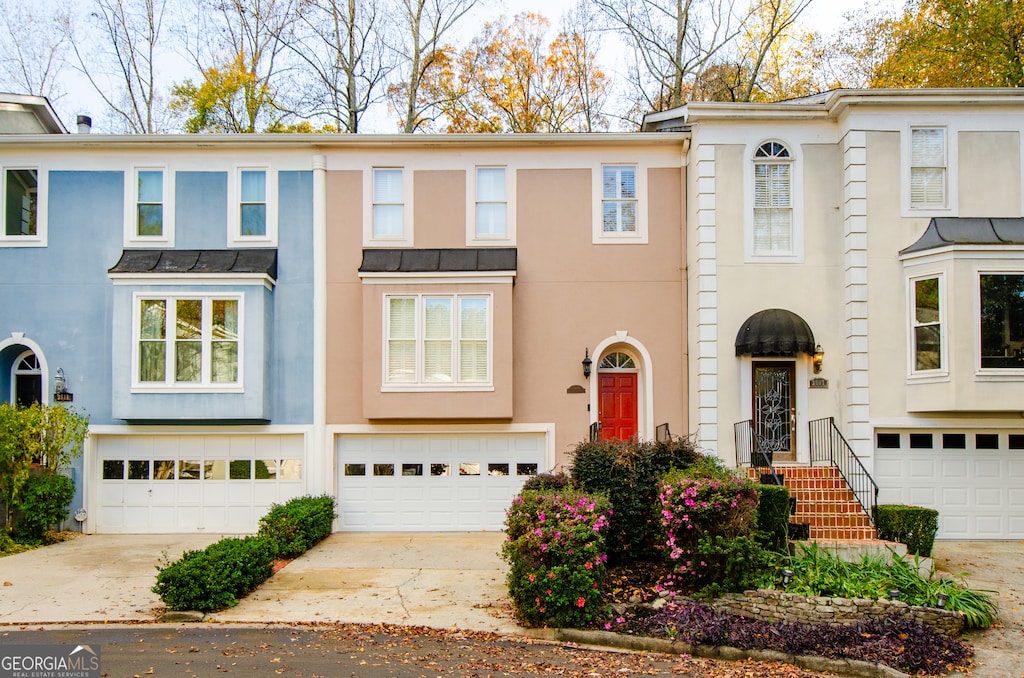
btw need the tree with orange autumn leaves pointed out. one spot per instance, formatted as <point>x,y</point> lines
<point>511,79</point>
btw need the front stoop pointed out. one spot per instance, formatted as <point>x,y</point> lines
<point>825,502</point>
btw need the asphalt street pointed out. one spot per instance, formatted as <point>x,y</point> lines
<point>363,651</point>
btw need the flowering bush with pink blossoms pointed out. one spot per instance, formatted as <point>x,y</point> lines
<point>709,533</point>
<point>556,553</point>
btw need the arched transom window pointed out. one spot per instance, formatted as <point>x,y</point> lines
<point>773,203</point>
<point>617,361</point>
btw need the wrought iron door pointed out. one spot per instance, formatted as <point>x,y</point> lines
<point>774,408</point>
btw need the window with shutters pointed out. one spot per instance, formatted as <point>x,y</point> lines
<point>437,341</point>
<point>773,199</point>
<point>927,167</point>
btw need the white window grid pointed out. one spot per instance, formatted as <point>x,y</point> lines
<point>33,209</point>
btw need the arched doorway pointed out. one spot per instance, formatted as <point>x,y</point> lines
<point>617,401</point>
<point>26,380</point>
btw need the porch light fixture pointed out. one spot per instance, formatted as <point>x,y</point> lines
<point>940,600</point>
<point>787,576</point>
<point>894,594</point>
<point>60,384</point>
<point>818,356</point>
<point>587,362</point>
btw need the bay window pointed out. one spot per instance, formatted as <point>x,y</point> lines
<point>437,340</point>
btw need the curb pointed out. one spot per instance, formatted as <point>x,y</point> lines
<point>848,667</point>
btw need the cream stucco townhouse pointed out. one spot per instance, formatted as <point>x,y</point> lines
<point>855,277</point>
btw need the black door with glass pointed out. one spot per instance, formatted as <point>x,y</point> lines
<point>774,409</point>
<point>28,380</point>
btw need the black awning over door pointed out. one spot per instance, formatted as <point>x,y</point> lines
<point>774,332</point>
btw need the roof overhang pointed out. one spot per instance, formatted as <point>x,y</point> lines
<point>21,114</point>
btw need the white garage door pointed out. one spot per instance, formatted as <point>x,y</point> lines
<point>974,479</point>
<point>433,482</point>
<point>193,483</point>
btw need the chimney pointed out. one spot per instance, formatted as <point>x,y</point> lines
<point>84,124</point>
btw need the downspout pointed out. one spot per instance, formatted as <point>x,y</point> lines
<point>321,461</point>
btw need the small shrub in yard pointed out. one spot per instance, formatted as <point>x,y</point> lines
<point>556,556</point>
<point>628,472</point>
<point>547,481</point>
<point>215,577</point>
<point>43,503</point>
<point>892,641</point>
<point>773,517</point>
<point>294,527</point>
<point>911,525</point>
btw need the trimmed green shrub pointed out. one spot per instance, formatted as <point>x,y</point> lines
<point>911,525</point>
<point>217,576</point>
<point>628,472</point>
<point>718,564</point>
<point>43,503</point>
<point>773,517</point>
<point>296,526</point>
<point>547,481</point>
<point>556,555</point>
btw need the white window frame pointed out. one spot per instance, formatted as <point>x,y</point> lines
<point>600,237</point>
<point>169,385</point>
<point>42,185</point>
<point>943,324</point>
<point>235,237</point>
<point>131,193</point>
<point>796,198</point>
<point>406,238</point>
<point>473,238</point>
<point>1009,373</point>
<point>950,203</point>
<point>419,337</point>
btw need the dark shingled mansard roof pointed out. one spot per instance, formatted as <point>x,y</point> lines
<point>462,259</point>
<point>198,261</point>
<point>946,231</point>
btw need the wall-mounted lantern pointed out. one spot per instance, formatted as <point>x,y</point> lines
<point>587,362</point>
<point>60,388</point>
<point>817,358</point>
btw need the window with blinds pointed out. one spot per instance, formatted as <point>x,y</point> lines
<point>437,340</point>
<point>773,202</point>
<point>928,167</point>
<point>618,199</point>
<point>388,204</point>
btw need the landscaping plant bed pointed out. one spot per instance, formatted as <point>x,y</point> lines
<point>892,641</point>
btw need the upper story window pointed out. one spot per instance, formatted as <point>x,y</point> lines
<point>22,222</point>
<point>252,205</point>
<point>388,203</point>
<point>437,341</point>
<point>927,168</point>
<point>618,199</point>
<point>149,209</point>
<point>253,212</point>
<point>926,325</point>
<point>187,342</point>
<point>773,199</point>
<point>491,203</point>
<point>1002,321</point>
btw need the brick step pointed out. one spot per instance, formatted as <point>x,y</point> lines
<point>843,533</point>
<point>846,520</point>
<point>834,494</point>
<point>815,484</point>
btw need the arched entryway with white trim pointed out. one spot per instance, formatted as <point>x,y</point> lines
<point>621,359</point>
<point>24,373</point>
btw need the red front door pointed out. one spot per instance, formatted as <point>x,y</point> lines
<point>616,408</point>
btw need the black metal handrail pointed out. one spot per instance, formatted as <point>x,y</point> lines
<point>829,445</point>
<point>595,431</point>
<point>750,451</point>
<point>662,434</point>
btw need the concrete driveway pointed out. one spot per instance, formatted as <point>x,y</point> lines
<point>997,566</point>
<point>441,580</point>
